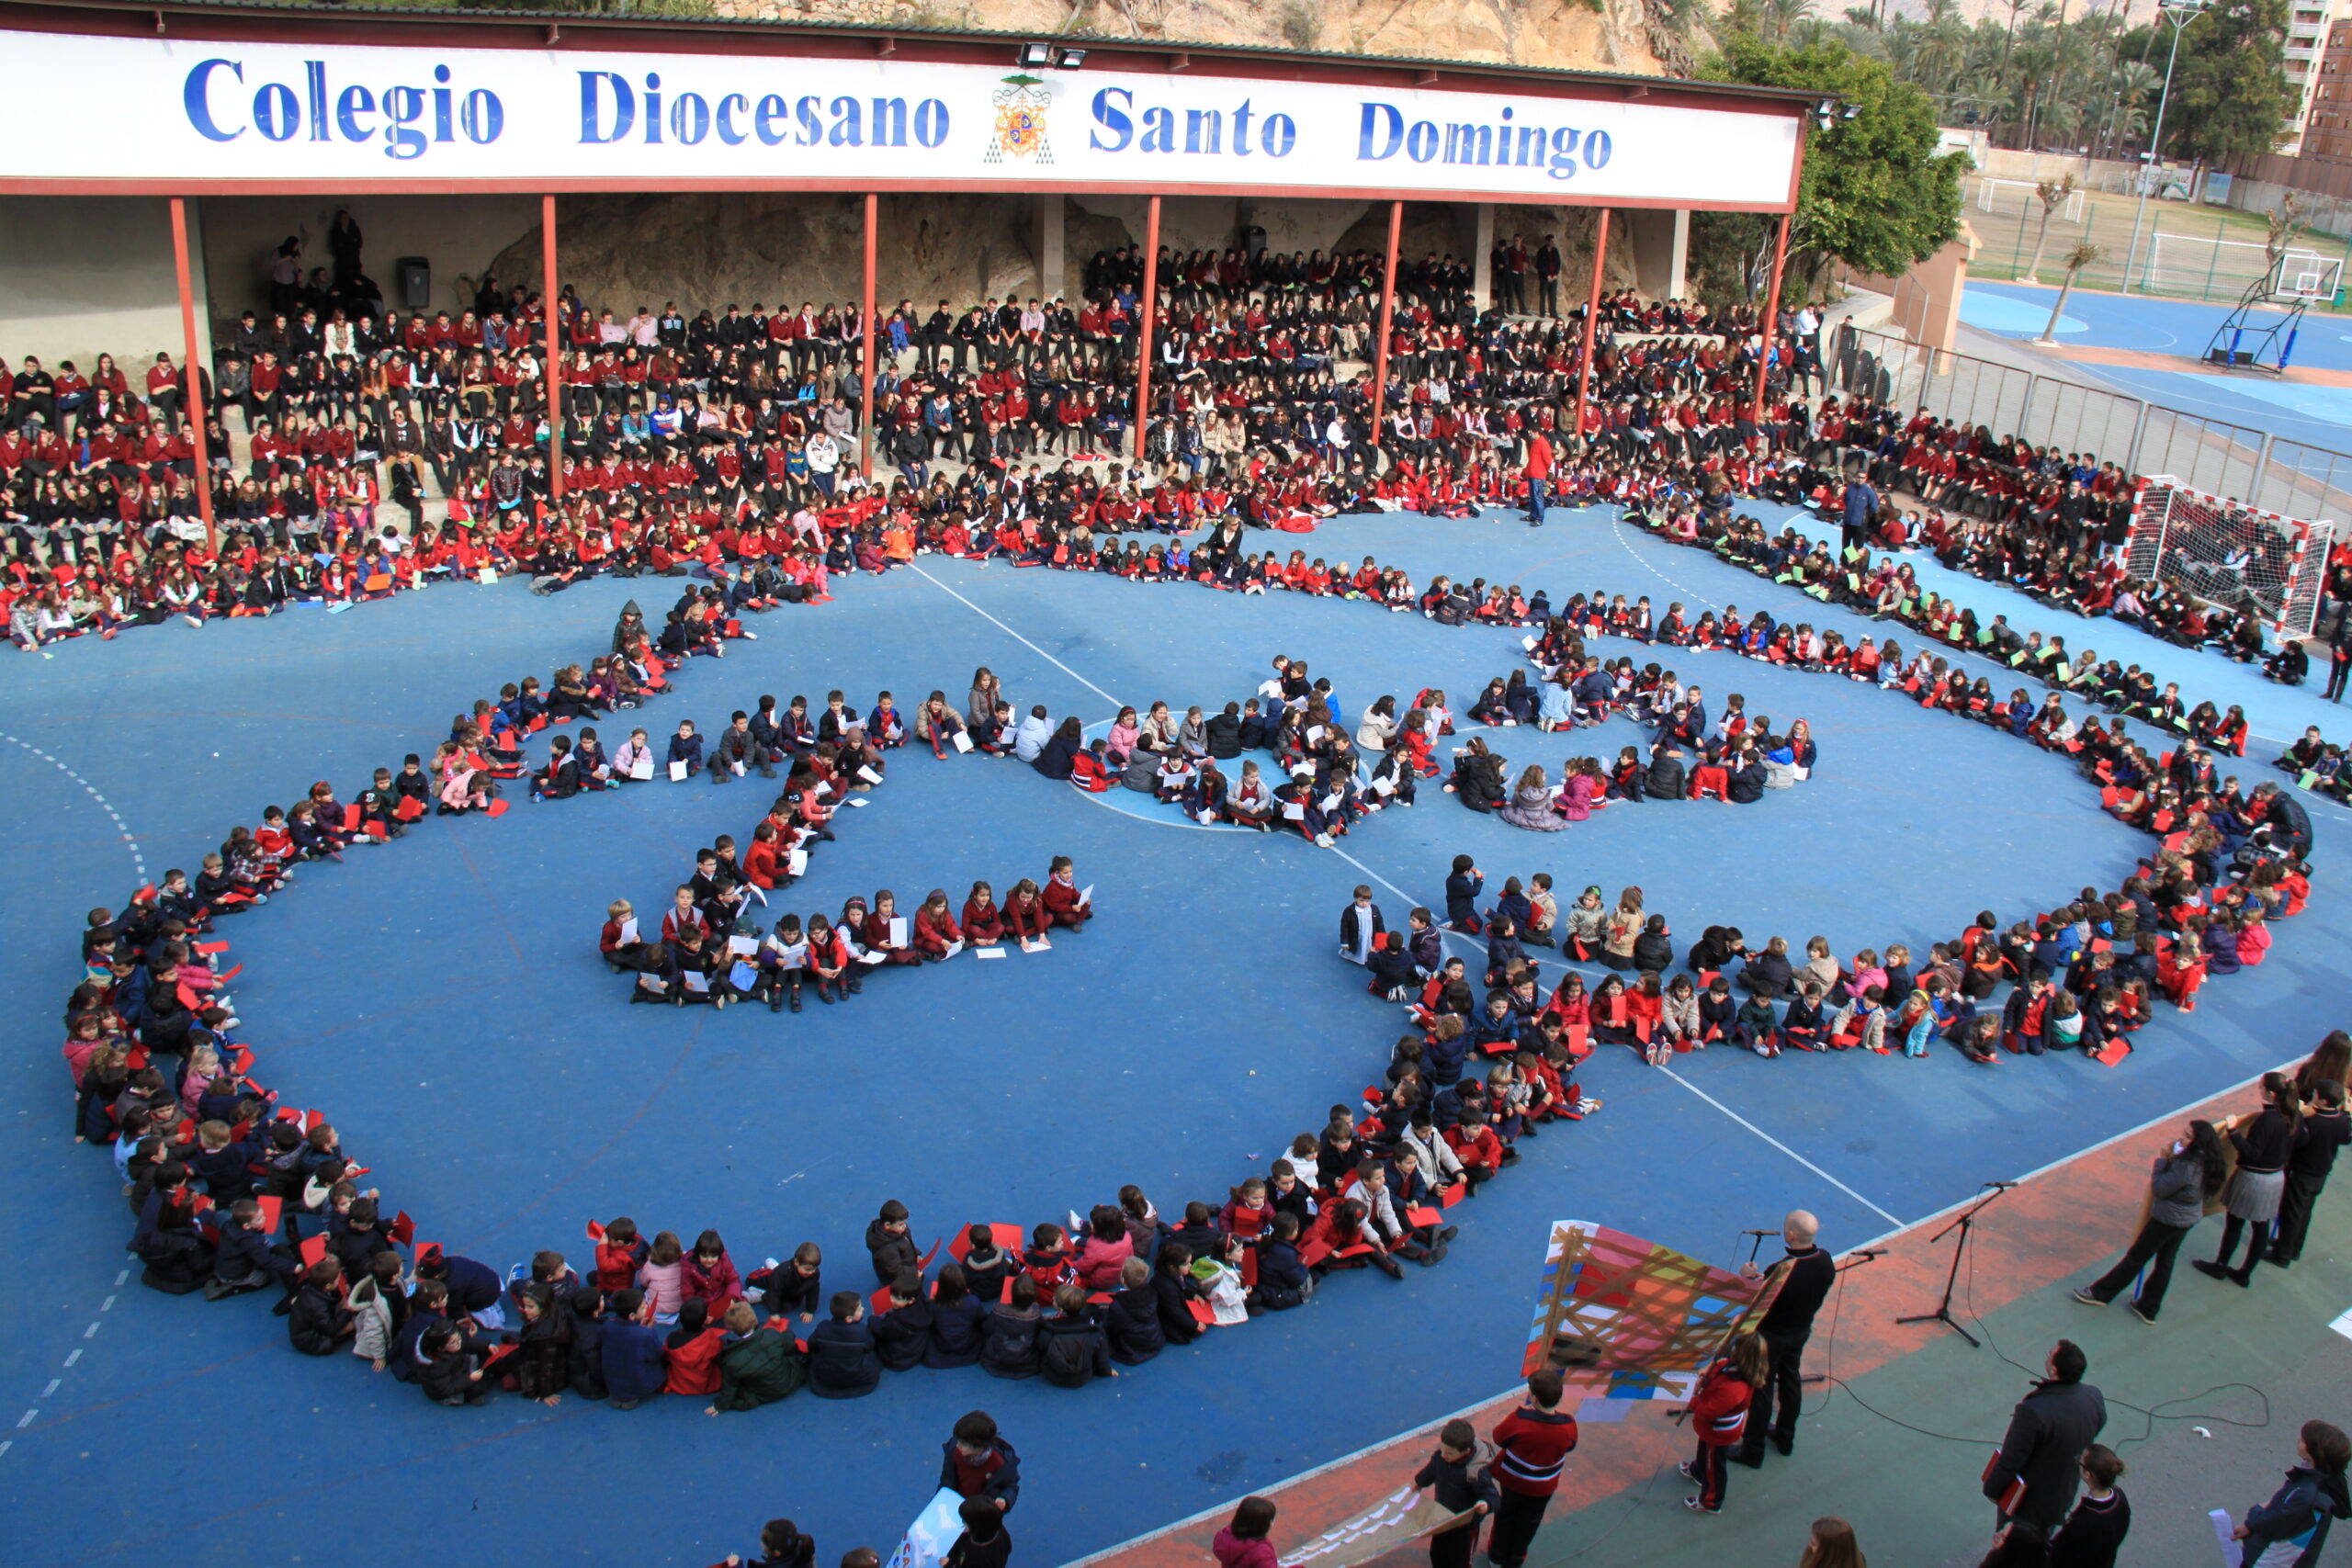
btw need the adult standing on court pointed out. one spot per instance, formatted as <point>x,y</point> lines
<point>1861,510</point>
<point>2339,655</point>
<point>2186,1174</point>
<point>1539,471</point>
<point>2264,1139</point>
<point>2325,1129</point>
<point>1806,1275</point>
<point>2043,1449</point>
<point>1533,1443</point>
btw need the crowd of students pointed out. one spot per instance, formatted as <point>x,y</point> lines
<point>733,435</point>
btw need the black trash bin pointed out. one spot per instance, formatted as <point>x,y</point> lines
<point>412,278</point>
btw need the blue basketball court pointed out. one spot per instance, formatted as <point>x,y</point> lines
<point>441,999</point>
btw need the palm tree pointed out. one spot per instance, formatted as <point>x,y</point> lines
<point>2052,195</point>
<point>2081,256</point>
<point>1780,16</point>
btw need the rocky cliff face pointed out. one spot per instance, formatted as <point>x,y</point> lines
<point>1606,35</point>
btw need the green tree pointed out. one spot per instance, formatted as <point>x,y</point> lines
<point>2230,94</point>
<point>1876,192</point>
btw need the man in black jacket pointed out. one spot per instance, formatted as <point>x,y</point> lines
<point>1805,1276</point>
<point>2047,1432</point>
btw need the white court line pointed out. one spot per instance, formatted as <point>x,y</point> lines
<point>1785,1148</point>
<point>138,860</point>
<point>1443,931</point>
<point>1013,635</point>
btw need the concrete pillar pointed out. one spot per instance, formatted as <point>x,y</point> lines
<point>1660,246</point>
<point>1053,265</point>
<point>1482,250</point>
<point>200,280</point>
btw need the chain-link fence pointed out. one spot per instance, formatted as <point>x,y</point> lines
<point>2286,477</point>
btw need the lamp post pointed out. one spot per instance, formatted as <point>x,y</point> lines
<point>2179,13</point>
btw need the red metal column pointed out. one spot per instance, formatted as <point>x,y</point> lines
<point>1388,315</point>
<point>556,391</point>
<point>1150,307</point>
<point>1772,314</point>
<point>192,375</point>
<point>866,358</point>
<point>1591,320</point>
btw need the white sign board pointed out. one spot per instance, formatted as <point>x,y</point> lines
<point>203,114</point>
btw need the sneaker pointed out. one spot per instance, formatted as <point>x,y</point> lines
<point>1696,1506</point>
<point>2209,1268</point>
<point>2147,1317</point>
<point>1448,1233</point>
<point>2087,1299</point>
<point>1684,1471</point>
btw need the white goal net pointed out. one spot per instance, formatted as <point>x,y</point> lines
<point>2229,553</point>
<point>2204,267</point>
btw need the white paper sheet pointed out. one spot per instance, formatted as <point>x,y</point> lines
<point>1295,811</point>
<point>856,801</point>
<point>697,982</point>
<point>742,946</point>
<point>677,773</point>
<point>869,775</point>
<point>898,930</point>
<point>642,768</point>
<point>1086,895</point>
<point>961,741</point>
<point>796,862</point>
<point>871,957</point>
<point>988,952</point>
<point>628,931</point>
<point>953,948</point>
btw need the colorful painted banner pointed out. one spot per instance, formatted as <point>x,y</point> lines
<point>1624,1318</point>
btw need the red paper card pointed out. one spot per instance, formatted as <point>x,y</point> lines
<point>351,817</point>
<point>1313,1252</point>
<point>1422,1215</point>
<point>403,1229</point>
<point>879,1301</point>
<point>924,1261</point>
<point>408,811</point>
<point>595,1231</point>
<point>243,1061</point>
<point>1707,977</point>
<point>1007,1238</point>
<point>2113,1052</point>
<point>1202,1314</point>
<point>1099,1298</point>
<point>1360,1249</point>
<point>272,1211</point>
<point>1579,1040</point>
<point>1453,1194</point>
<point>188,997</point>
<point>497,808</point>
<point>497,1355</point>
<point>314,1248</point>
<point>209,948</point>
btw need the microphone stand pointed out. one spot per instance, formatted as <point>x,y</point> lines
<point>1965,1225</point>
<point>1869,1255</point>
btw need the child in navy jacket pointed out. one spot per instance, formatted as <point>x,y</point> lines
<point>1462,896</point>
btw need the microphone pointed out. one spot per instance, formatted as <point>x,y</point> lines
<point>2000,1184</point>
<point>1774,1230</point>
<point>1868,1252</point>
